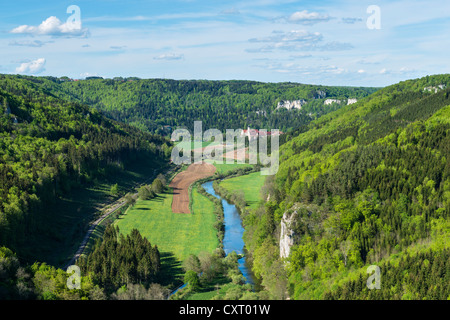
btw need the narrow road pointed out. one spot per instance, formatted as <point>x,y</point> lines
<point>120,203</point>
<point>89,232</point>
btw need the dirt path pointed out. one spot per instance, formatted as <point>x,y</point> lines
<point>182,181</point>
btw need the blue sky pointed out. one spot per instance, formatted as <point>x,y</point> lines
<point>317,42</point>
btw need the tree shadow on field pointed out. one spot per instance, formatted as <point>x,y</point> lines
<point>250,203</point>
<point>159,198</point>
<point>171,273</point>
<point>143,208</point>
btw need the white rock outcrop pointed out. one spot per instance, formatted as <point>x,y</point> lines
<point>287,234</point>
<point>352,101</point>
<point>435,89</point>
<point>296,104</point>
<point>330,101</point>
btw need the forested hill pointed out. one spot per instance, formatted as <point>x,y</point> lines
<point>367,184</point>
<point>152,104</point>
<point>48,148</point>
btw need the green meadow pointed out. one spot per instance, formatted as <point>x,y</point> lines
<point>225,168</point>
<point>175,234</point>
<point>191,145</point>
<point>250,184</point>
<point>180,235</point>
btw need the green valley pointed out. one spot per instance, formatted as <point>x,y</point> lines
<point>361,184</point>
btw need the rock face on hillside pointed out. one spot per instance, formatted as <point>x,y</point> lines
<point>320,94</point>
<point>296,104</point>
<point>435,89</point>
<point>331,101</point>
<point>287,233</point>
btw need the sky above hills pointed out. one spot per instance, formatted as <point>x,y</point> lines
<point>357,43</point>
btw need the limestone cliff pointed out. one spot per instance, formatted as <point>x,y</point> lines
<point>289,105</point>
<point>287,233</point>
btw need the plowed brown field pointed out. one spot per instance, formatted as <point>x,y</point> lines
<point>182,181</point>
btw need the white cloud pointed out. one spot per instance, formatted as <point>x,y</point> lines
<point>88,74</point>
<point>117,47</point>
<point>166,16</point>
<point>371,60</point>
<point>401,71</point>
<point>29,43</point>
<point>406,70</point>
<point>297,40</point>
<point>301,56</point>
<point>351,20</point>
<point>335,46</point>
<point>292,40</point>
<point>301,69</point>
<point>54,27</point>
<point>308,18</point>
<point>232,11</point>
<point>292,36</point>
<point>333,69</point>
<point>169,56</point>
<point>32,67</point>
<point>117,19</point>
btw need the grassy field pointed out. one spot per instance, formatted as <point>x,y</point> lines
<point>175,234</point>
<point>184,144</point>
<point>68,218</point>
<point>250,184</point>
<point>225,168</point>
<point>180,235</point>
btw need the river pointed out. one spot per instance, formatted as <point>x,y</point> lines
<point>232,240</point>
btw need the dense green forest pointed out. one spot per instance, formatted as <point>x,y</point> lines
<point>119,268</point>
<point>48,149</point>
<point>422,276</point>
<point>117,260</point>
<point>366,185</point>
<point>361,184</point>
<point>152,104</point>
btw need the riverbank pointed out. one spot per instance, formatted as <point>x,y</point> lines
<point>234,231</point>
<point>232,238</point>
